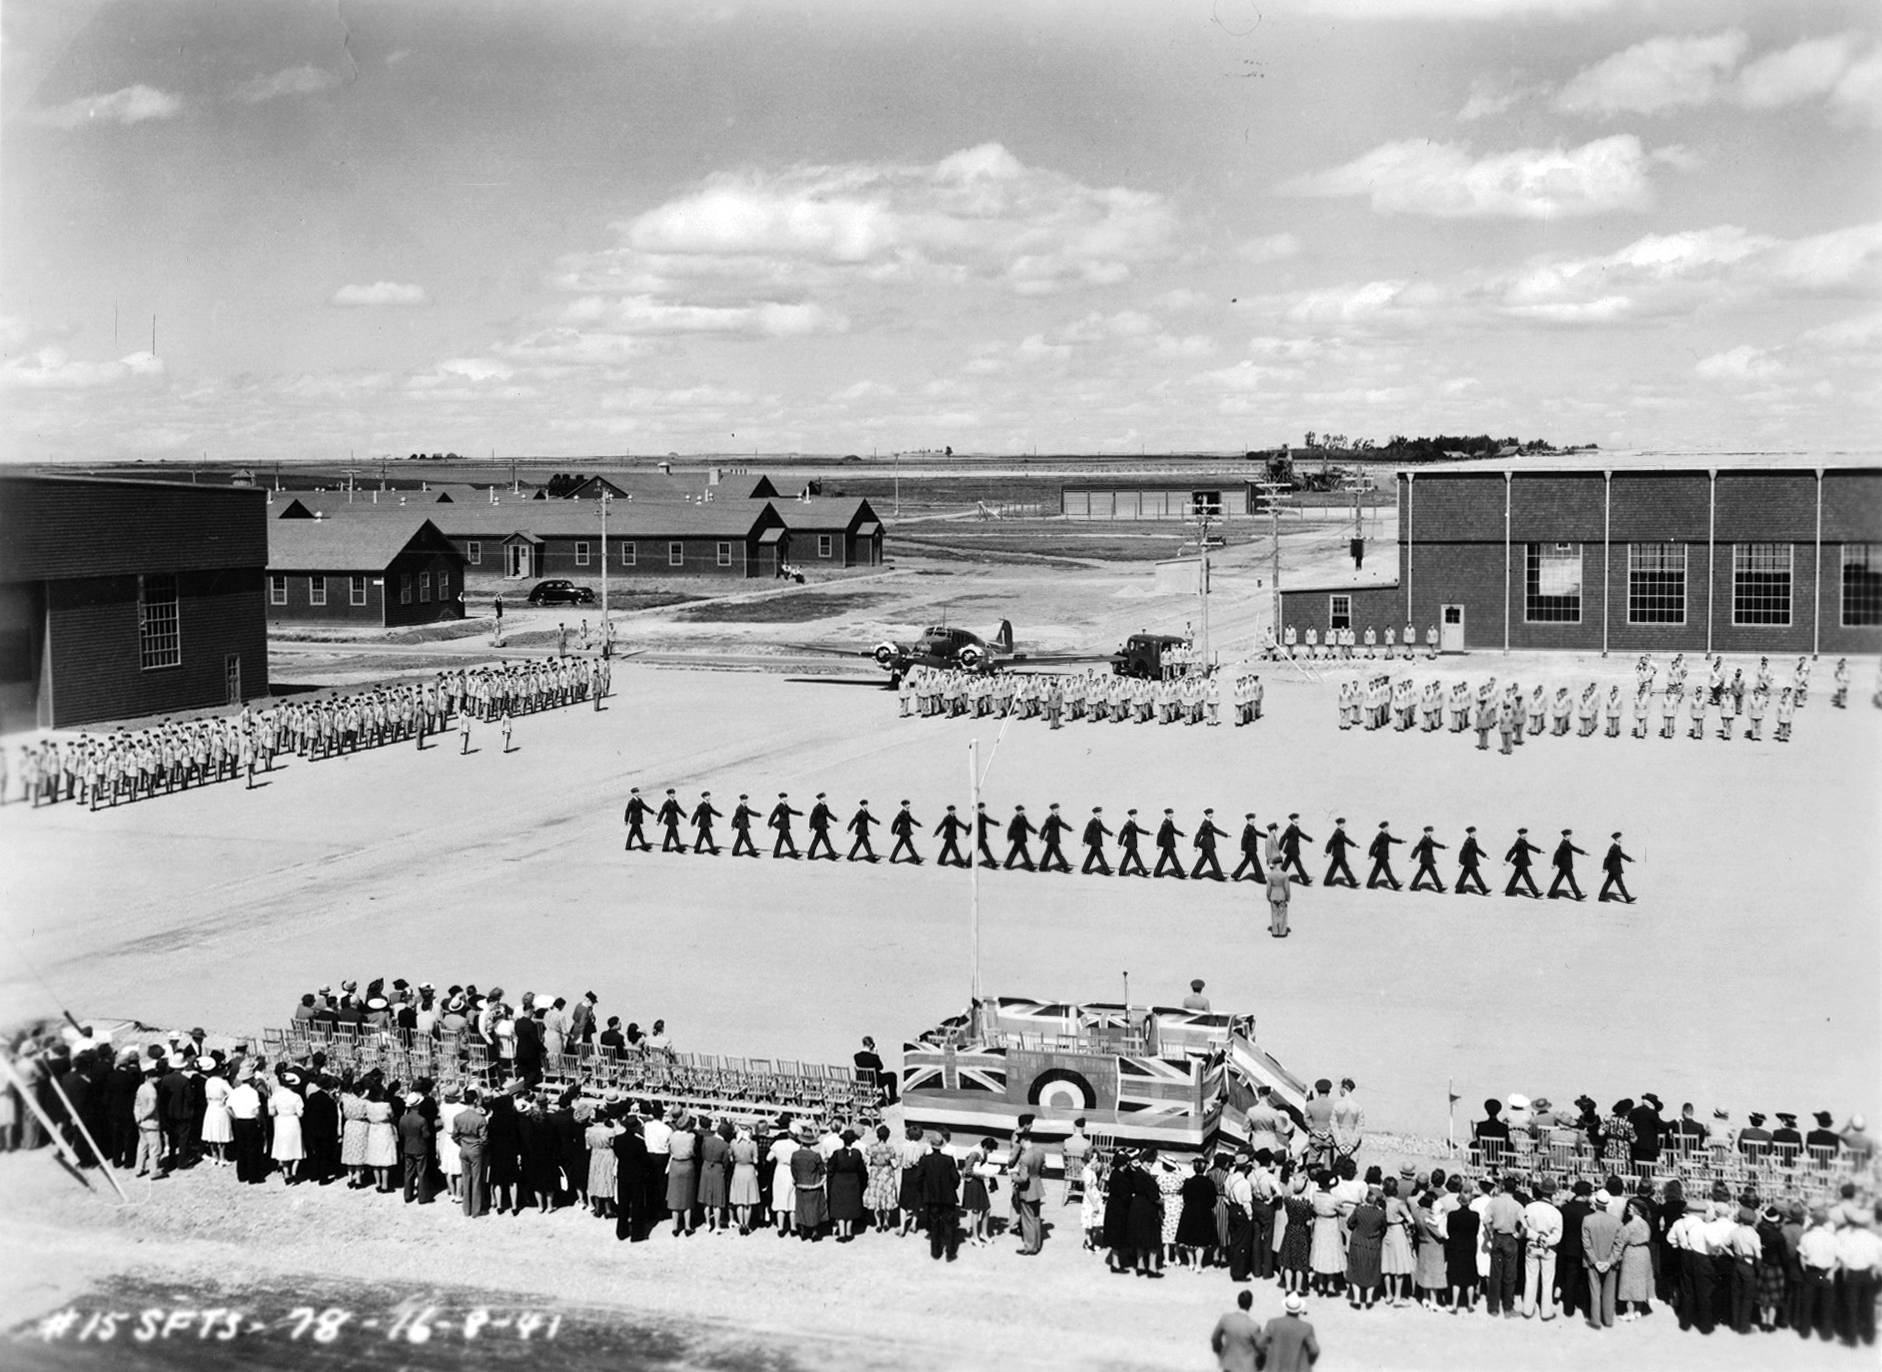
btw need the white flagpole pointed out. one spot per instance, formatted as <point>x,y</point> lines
<point>973,869</point>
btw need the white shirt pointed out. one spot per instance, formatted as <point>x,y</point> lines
<point>244,1101</point>
<point>1858,1249</point>
<point>1544,1224</point>
<point>658,1136</point>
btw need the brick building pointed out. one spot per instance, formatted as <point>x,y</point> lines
<point>1629,554</point>
<point>388,571</point>
<point>128,598</point>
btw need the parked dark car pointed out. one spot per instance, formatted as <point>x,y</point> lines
<point>561,593</point>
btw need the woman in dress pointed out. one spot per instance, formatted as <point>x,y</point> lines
<point>846,1174</point>
<point>382,1137</point>
<point>1092,1202</point>
<point>353,1134</point>
<point>909,1155</point>
<point>1115,1232</point>
<point>883,1196</point>
<point>1366,1230</point>
<point>542,1153</point>
<point>1634,1291</point>
<point>783,1189</point>
<point>1773,1261</point>
<point>218,1133</point>
<point>1329,1244</point>
<point>976,1168</point>
<point>1195,1224</point>
<point>1396,1259</point>
<point>602,1167</point>
<point>1461,1231</point>
<point>503,1150</point>
<point>807,1178</point>
<point>683,1175</point>
<point>1297,1236</point>
<point>744,1192</point>
<point>284,1104</point>
<point>450,1161</point>
<point>1146,1218</point>
<point>715,1156</point>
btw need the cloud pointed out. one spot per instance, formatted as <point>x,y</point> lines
<point>1443,180</point>
<point>1489,98</point>
<point>1808,69</point>
<point>380,293</point>
<point>1661,73</point>
<point>132,105</point>
<point>1743,363</point>
<point>1272,248</point>
<point>51,370</point>
<point>1857,98</point>
<point>1457,9</point>
<point>641,314</point>
<point>302,80</point>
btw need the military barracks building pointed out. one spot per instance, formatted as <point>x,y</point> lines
<point>390,571</point>
<point>128,598</point>
<point>1629,554</point>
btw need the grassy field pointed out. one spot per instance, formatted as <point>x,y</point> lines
<point>793,608</point>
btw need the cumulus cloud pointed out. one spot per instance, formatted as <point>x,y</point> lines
<point>1457,9</point>
<point>1858,94</point>
<point>1444,180</point>
<point>1488,98</point>
<point>1743,363</point>
<point>1271,248</point>
<point>302,80</point>
<point>131,105</point>
<point>380,293</point>
<point>49,369</point>
<point>1662,73</point>
<point>645,315</point>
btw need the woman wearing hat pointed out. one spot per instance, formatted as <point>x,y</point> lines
<point>783,1189</point>
<point>743,1191</point>
<point>812,1208</point>
<point>382,1137</point>
<point>218,1132</point>
<point>1329,1241</point>
<point>715,1157</point>
<point>1634,1292</point>
<point>1397,1260</point>
<point>883,1194</point>
<point>602,1166</point>
<point>1296,1222</point>
<point>450,1159</point>
<point>845,1175</point>
<point>682,1172</point>
<point>353,1133</point>
<point>284,1104</point>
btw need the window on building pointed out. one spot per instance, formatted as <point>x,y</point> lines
<point>725,554</point>
<point>1205,502</point>
<point>277,590</point>
<point>1656,583</point>
<point>159,637</point>
<point>316,590</point>
<point>581,554</point>
<point>823,545</point>
<point>405,588</point>
<point>1761,583</point>
<point>627,554</point>
<point>1862,584</point>
<point>676,554</point>
<point>356,593</point>
<point>1552,583</point>
<point>1339,612</point>
<point>444,585</point>
<point>424,588</point>
<point>474,553</point>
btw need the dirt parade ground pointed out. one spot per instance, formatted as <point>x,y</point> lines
<point>1744,978</point>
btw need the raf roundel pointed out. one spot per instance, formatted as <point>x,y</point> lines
<point>1059,1088</point>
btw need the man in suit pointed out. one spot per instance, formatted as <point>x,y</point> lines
<point>1251,851</point>
<point>1291,839</point>
<point>780,820</point>
<point>1206,835</point>
<point>821,816</point>
<point>1380,851</point>
<point>1029,1193</point>
<point>632,1165</point>
<point>1235,1337</point>
<point>1018,830</point>
<point>1601,1254</point>
<point>742,816</point>
<point>1167,834</point>
<point>637,812</point>
<point>1571,1272</point>
<point>1564,862</point>
<point>951,827</point>
<point>415,1131</point>
<point>1468,857</point>
<point>1518,857</point>
<point>1613,864</point>
<point>1287,1342</point>
<point>670,816</point>
<point>938,1179</point>
<point>703,815</point>
<point>983,831</point>
<point>1337,844</point>
<point>860,824</point>
<point>1128,833</point>
<point>1094,837</point>
<point>1049,835</point>
<point>903,827</point>
<point>1426,851</point>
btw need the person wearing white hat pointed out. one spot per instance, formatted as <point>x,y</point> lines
<point>1517,1113</point>
<point>1287,1342</point>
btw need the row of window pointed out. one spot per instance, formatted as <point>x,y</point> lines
<point>1656,583</point>
<point>356,588</point>
<point>630,554</point>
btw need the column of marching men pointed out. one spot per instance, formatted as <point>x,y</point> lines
<point>1279,848</point>
<point>1385,701</point>
<point>127,766</point>
<point>1093,696</point>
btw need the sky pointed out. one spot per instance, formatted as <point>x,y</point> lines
<point>568,227</point>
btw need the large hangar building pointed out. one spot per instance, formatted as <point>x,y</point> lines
<point>1631,554</point>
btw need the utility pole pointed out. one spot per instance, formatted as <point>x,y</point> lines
<point>605,497</point>
<point>1204,519</point>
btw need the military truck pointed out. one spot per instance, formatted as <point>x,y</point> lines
<point>1142,655</point>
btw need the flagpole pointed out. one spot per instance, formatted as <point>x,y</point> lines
<point>973,871</point>
<point>1450,1114</point>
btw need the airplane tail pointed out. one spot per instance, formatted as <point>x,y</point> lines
<point>1004,641</point>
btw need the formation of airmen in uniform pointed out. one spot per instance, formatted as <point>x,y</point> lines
<point>123,767</point>
<point>1094,696</point>
<point>1344,645</point>
<point>1384,700</point>
<point>1280,849</point>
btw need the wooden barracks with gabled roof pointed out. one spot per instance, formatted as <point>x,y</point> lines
<point>388,571</point>
<point>841,531</point>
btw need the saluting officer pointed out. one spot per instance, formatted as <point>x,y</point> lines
<point>1018,830</point>
<point>780,820</point>
<point>637,812</point>
<point>1518,857</point>
<point>670,817</point>
<point>1337,844</point>
<point>951,827</point>
<point>1291,839</point>
<point>1094,837</point>
<point>903,827</point>
<point>1468,857</point>
<point>1167,834</point>
<point>1204,842</point>
<point>1127,835</point>
<point>1380,851</point>
<point>703,815</point>
<point>821,816</point>
<point>859,825</point>
<point>1564,860</point>
<point>1049,835</point>
<point>1251,851</point>
<point>742,816</point>
<point>1612,865</point>
<point>1426,851</point>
